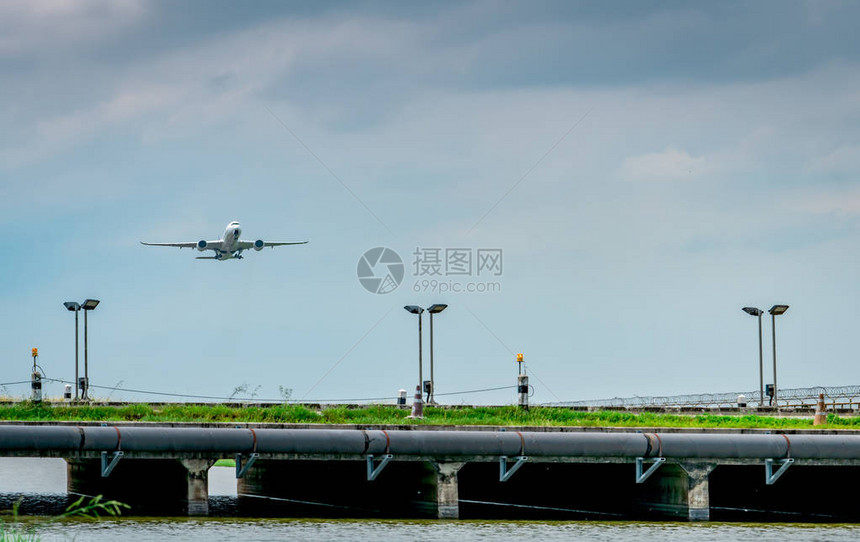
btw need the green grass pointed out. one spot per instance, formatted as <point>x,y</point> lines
<point>85,507</point>
<point>390,415</point>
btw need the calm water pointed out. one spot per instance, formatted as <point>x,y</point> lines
<point>43,482</point>
<point>432,531</point>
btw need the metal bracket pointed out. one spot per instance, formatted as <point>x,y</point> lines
<point>505,473</point>
<point>642,476</point>
<point>769,476</point>
<point>107,467</point>
<point>373,471</point>
<point>242,469</point>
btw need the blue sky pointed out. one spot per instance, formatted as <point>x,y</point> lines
<point>647,169</point>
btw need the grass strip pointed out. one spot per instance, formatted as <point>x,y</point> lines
<point>390,415</point>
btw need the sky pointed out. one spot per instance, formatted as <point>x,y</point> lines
<point>605,185</point>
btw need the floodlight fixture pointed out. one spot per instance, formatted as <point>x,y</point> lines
<point>752,311</point>
<point>90,304</point>
<point>414,309</point>
<point>776,310</point>
<point>436,308</point>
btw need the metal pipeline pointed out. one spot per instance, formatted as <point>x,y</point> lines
<point>19,438</point>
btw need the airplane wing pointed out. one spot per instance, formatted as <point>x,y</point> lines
<point>245,245</point>
<point>209,244</point>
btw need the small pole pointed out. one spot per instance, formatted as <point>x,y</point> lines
<point>420,363</point>
<point>760,366</point>
<point>773,327</point>
<point>522,385</point>
<point>430,393</point>
<point>77,349</point>
<point>84,394</point>
<point>36,380</point>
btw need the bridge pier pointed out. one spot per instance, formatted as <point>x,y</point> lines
<point>197,484</point>
<point>178,486</point>
<point>447,490</point>
<point>698,490</point>
<point>679,491</point>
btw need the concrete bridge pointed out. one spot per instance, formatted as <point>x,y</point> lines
<point>458,473</point>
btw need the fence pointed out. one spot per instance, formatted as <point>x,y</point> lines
<point>835,396</point>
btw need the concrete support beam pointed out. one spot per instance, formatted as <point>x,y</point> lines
<point>197,482</point>
<point>677,491</point>
<point>447,490</point>
<point>698,494</point>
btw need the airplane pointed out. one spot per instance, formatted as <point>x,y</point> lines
<point>230,246</point>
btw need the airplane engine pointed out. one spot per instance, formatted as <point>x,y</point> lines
<point>259,244</point>
<point>201,245</point>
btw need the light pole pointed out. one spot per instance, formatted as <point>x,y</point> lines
<point>775,311</point>
<point>74,306</point>
<point>88,305</point>
<point>415,309</point>
<point>752,311</point>
<point>433,309</point>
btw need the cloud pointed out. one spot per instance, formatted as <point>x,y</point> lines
<point>670,165</point>
<point>843,160</point>
<point>209,81</point>
<point>57,25</point>
<point>840,201</point>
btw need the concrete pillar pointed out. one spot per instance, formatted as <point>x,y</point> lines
<point>677,491</point>
<point>197,482</point>
<point>698,495</point>
<point>447,490</point>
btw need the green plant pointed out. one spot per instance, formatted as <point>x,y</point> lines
<point>392,415</point>
<point>93,508</point>
<point>89,509</point>
<point>286,393</point>
<point>14,533</point>
<point>243,389</point>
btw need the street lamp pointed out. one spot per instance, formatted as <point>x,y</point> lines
<point>88,305</point>
<point>752,311</point>
<point>415,309</point>
<point>74,306</point>
<point>433,309</point>
<point>775,311</point>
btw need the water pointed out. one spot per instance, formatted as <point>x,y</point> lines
<point>215,529</point>
<point>42,485</point>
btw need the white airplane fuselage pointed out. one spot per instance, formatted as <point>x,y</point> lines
<point>230,246</point>
<point>231,239</point>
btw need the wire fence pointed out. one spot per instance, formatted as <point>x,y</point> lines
<point>836,396</point>
<point>253,398</point>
